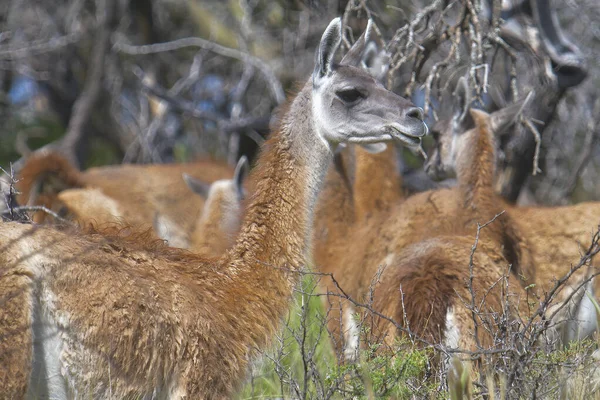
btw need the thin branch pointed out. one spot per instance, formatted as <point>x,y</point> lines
<point>8,52</point>
<point>38,208</point>
<point>83,107</point>
<point>273,82</point>
<point>538,144</point>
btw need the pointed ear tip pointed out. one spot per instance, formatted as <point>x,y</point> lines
<point>243,161</point>
<point>335,23</point>
<point>478,115</point>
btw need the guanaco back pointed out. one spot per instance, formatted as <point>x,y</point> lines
<point>388,238</point>
<point>141,190</point>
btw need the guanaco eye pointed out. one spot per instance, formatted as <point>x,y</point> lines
<point>349,95</point>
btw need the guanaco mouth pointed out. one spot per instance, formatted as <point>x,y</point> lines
<point>411,137</point>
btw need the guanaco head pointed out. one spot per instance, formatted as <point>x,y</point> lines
<point>453,136</point>
<point>222,211</point>
<point>350,105</point>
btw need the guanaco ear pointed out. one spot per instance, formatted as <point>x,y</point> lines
<point>196,185</point>
<point>376,60</point>
<point>354,56</point>
<point>506,117</point>
<point>462,98</point>
<point>239,176</point>
<point>330,41</point>
<point>480,117</point>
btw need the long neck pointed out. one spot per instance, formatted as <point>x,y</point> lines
<point>276,231</point>
<point>334,215</point>
<point>476,169</point>
<point>378,182</point>
<point>476,174</point>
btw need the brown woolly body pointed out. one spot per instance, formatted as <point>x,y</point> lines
<point>547,241</point>
<point>378,183</point>
<point>43,177</point>
<point>333,220</point>
<point>438,270</point>
<point>140,190</point>
<point>476,174</point>
<point>342,209</point>
<point>395,234</point>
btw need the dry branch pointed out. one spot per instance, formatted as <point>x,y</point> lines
<point>271,79</point>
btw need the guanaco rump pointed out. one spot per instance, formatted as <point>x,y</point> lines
<point>140,190</point>
<point>554,236</point>
<point>107,316</point>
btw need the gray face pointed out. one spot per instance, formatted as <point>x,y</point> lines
<point>448,134</point>
<point>351,106</point>
<point>440,163</point>
<point>452,135</point>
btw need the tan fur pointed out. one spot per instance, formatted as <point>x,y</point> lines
<point>387,235</point>
<point>42,177</point>
<point>93,206</point>
<point>141,190</point>
<point>378,184</point>
<point>15,335</point>
<point>342,208</point>
<point>334,219</point>
<point>221,217</point>
<point>476,172</point>
<point>557,238</point>
<point>547,240</point>
<point>432,277</point>
<point>164,319</point>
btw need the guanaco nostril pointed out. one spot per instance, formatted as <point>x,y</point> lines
<point>415,112</point>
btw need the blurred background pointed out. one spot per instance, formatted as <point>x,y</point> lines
<point>134,81</point>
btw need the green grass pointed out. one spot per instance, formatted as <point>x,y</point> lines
<point>302,363</point>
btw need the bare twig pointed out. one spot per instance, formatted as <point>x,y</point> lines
<point>83,107</point>
<point>37,208</point>
<point>273,82</point>
<point>538,144</point>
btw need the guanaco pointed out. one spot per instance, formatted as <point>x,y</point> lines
<point>553,236</point>
<point>432,286</point>
<point>428,291</point>
<point>111,317</point>
<point>220,221</point>
<point>141,190</point>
